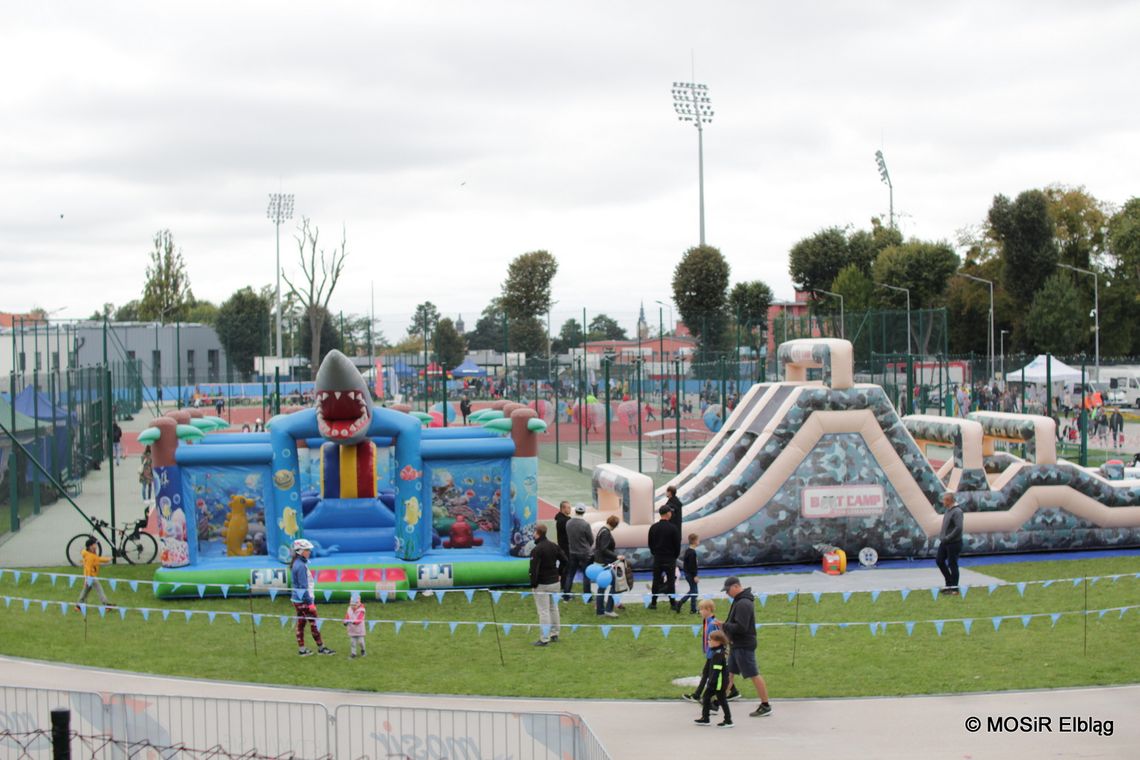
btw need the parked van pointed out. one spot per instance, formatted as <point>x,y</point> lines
<point>1126,380</point>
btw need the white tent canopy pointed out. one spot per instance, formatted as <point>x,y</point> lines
<point>1059,372</point>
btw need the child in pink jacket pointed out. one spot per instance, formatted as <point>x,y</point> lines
<point>354,620</point>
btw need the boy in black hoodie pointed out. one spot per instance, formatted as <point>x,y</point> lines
<point>718,682</point>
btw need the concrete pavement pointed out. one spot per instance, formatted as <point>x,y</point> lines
<point>933,727</point>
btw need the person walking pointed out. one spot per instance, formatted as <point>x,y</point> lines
<point>545,560</point>
<point>117,438</point>
<point>580,537</point>
<point>950,543</point>
<point>690,569</point>
<point>740,627</point>
<point>664,544</point>
<point>717,685</point>
<point>354,619</point>
<point>92,559</point>
<point>605,553</point>
<point>146,475</point>
<point>304,601</point>
<point>677,518</point>
<point>560,532</point>
<point>709,623</point>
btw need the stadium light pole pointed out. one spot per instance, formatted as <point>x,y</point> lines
<point>280,210</point>
<point>836,295</point>
<point>691,102</point>
<point>991,339</point>
<point>886,177</point>
<point>907,291</point>
<point>1096,310</point>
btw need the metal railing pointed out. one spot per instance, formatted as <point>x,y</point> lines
<point>117,725</point>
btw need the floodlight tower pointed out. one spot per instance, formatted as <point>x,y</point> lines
<point>280,210</point>
<point>886,177</point>
<point>691,102</point>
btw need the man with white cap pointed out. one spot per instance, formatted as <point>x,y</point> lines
<point>580,537</point>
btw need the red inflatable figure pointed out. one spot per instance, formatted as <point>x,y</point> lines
<point>461,535</point>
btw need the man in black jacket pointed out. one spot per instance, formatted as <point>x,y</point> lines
<point>560,521</point>
<point>545,560</point>
<point>950,543</point>
<point>740,625</point>
<point>677,518</point>
<point>664,545</point>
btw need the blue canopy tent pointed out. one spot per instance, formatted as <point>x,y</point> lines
<point>402,368</point>
<point>53,442</point>
<point>468,369</point>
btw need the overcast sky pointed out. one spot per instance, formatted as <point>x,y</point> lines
<point>450,137</point>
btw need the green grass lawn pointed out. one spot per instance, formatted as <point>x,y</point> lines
<point>1078,650</point>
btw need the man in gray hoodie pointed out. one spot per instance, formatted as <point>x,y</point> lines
<point>950,543</point>
<point>580,537</point>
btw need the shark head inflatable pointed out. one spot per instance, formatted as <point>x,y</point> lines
<point>344,406</point>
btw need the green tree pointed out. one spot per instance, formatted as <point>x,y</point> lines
<point>864,246</point>
<point>924,268</point>
<point>526,292</point>
<point>749,302</point>
<point>202,312</point>
<point>1120,304</point>
<point>315,287</point>
<point>1024,231</point>
<point>329,337</point>
<point>243,328</point>
<point>856,287</point>
<point>488,332</point>
<point>166,293</point>
<point>450,348</point>
<point>605,327</point>
<point>104,313</point>
<point>128,312</point>
<point>1056,322</point>
<point>570,336</point>
<point>700,289</point>
<point>528,336</point>
<point>424,319</point>
<point>815,261</point>
<point>1080,224</point>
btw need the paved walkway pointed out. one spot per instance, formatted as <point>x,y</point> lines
<point>890,727</point>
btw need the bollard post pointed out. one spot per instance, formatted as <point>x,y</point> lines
<point>61,734</point>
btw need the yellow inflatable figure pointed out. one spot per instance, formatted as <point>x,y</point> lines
<point>288,522</point>
<point>237,526</point>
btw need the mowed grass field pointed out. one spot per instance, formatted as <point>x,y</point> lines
<point>1077,650</point>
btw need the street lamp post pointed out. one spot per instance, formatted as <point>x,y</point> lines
<point>836,295</point>
<point>691,102</point>
<point>991,338</point>
<point>907,291</point>
<point>280,210</point>
<point>1003,334</point>
<point>1096,310</point>
<point>886,177</point>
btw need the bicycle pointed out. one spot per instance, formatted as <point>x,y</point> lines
<point>135,546</point>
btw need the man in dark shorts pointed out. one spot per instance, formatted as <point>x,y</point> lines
<point>740,625</point>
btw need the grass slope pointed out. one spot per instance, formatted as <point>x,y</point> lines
<point>833,662</point>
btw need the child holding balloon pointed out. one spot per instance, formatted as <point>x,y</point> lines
<point>605,555</point>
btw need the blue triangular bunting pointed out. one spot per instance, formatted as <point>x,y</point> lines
<point>383,597</point>
<point>425,624</point>
<point>846,595</point>
<point>187,614</point>
<point>399,624</point>
<point>816,595</point>
<point>272,594</point>
<point>479,627</point>
<point>1025,621</point>
<point>17,574</point>
<point>63,608</point>
<point>134,585</point>
<point>967,624</point>
<point>236,616</point>
<point>792,596</point>
<point>991,588</point>
<point>372,624</point>
<point>225,591</point>
<point>574,627</point>
<point>636,629</point>
<point>875,596</point>
<point>874,627</point>
<point>934,592</point>
<point>257,618</point>
<point>283,619</point>
<point>1055,617</point>
<point>27,603</point>
<point>452,626</point>
<point>496,596</point>
<point>909,627</point>
<point>165,614</point>
<point>34,576</point>
<point>201,590</point>
<point>320,624</point>
<point>904,593</point>
<point>665,629</point>
<point>696,629</point>
<point>996,620</point>
<point>646,599</point>
<point>1046,584</point>
<point>71,579</point>
<point>439,597</point>
<point>1021,588</point>
<point>938,626</point>
<point>813,627</point>
<point>113,583</point>
<point>507,628</point>
<point>1077,582</point>
<point>211,615</point>
<point>606,631</point>
<point>470,594</point>
<point>524,594</point>
<point>328,595</point>
<point>763,599</point>
<point>963,590</point>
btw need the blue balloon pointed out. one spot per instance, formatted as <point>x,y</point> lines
<point>604,579</point>
<point>594,570</point>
